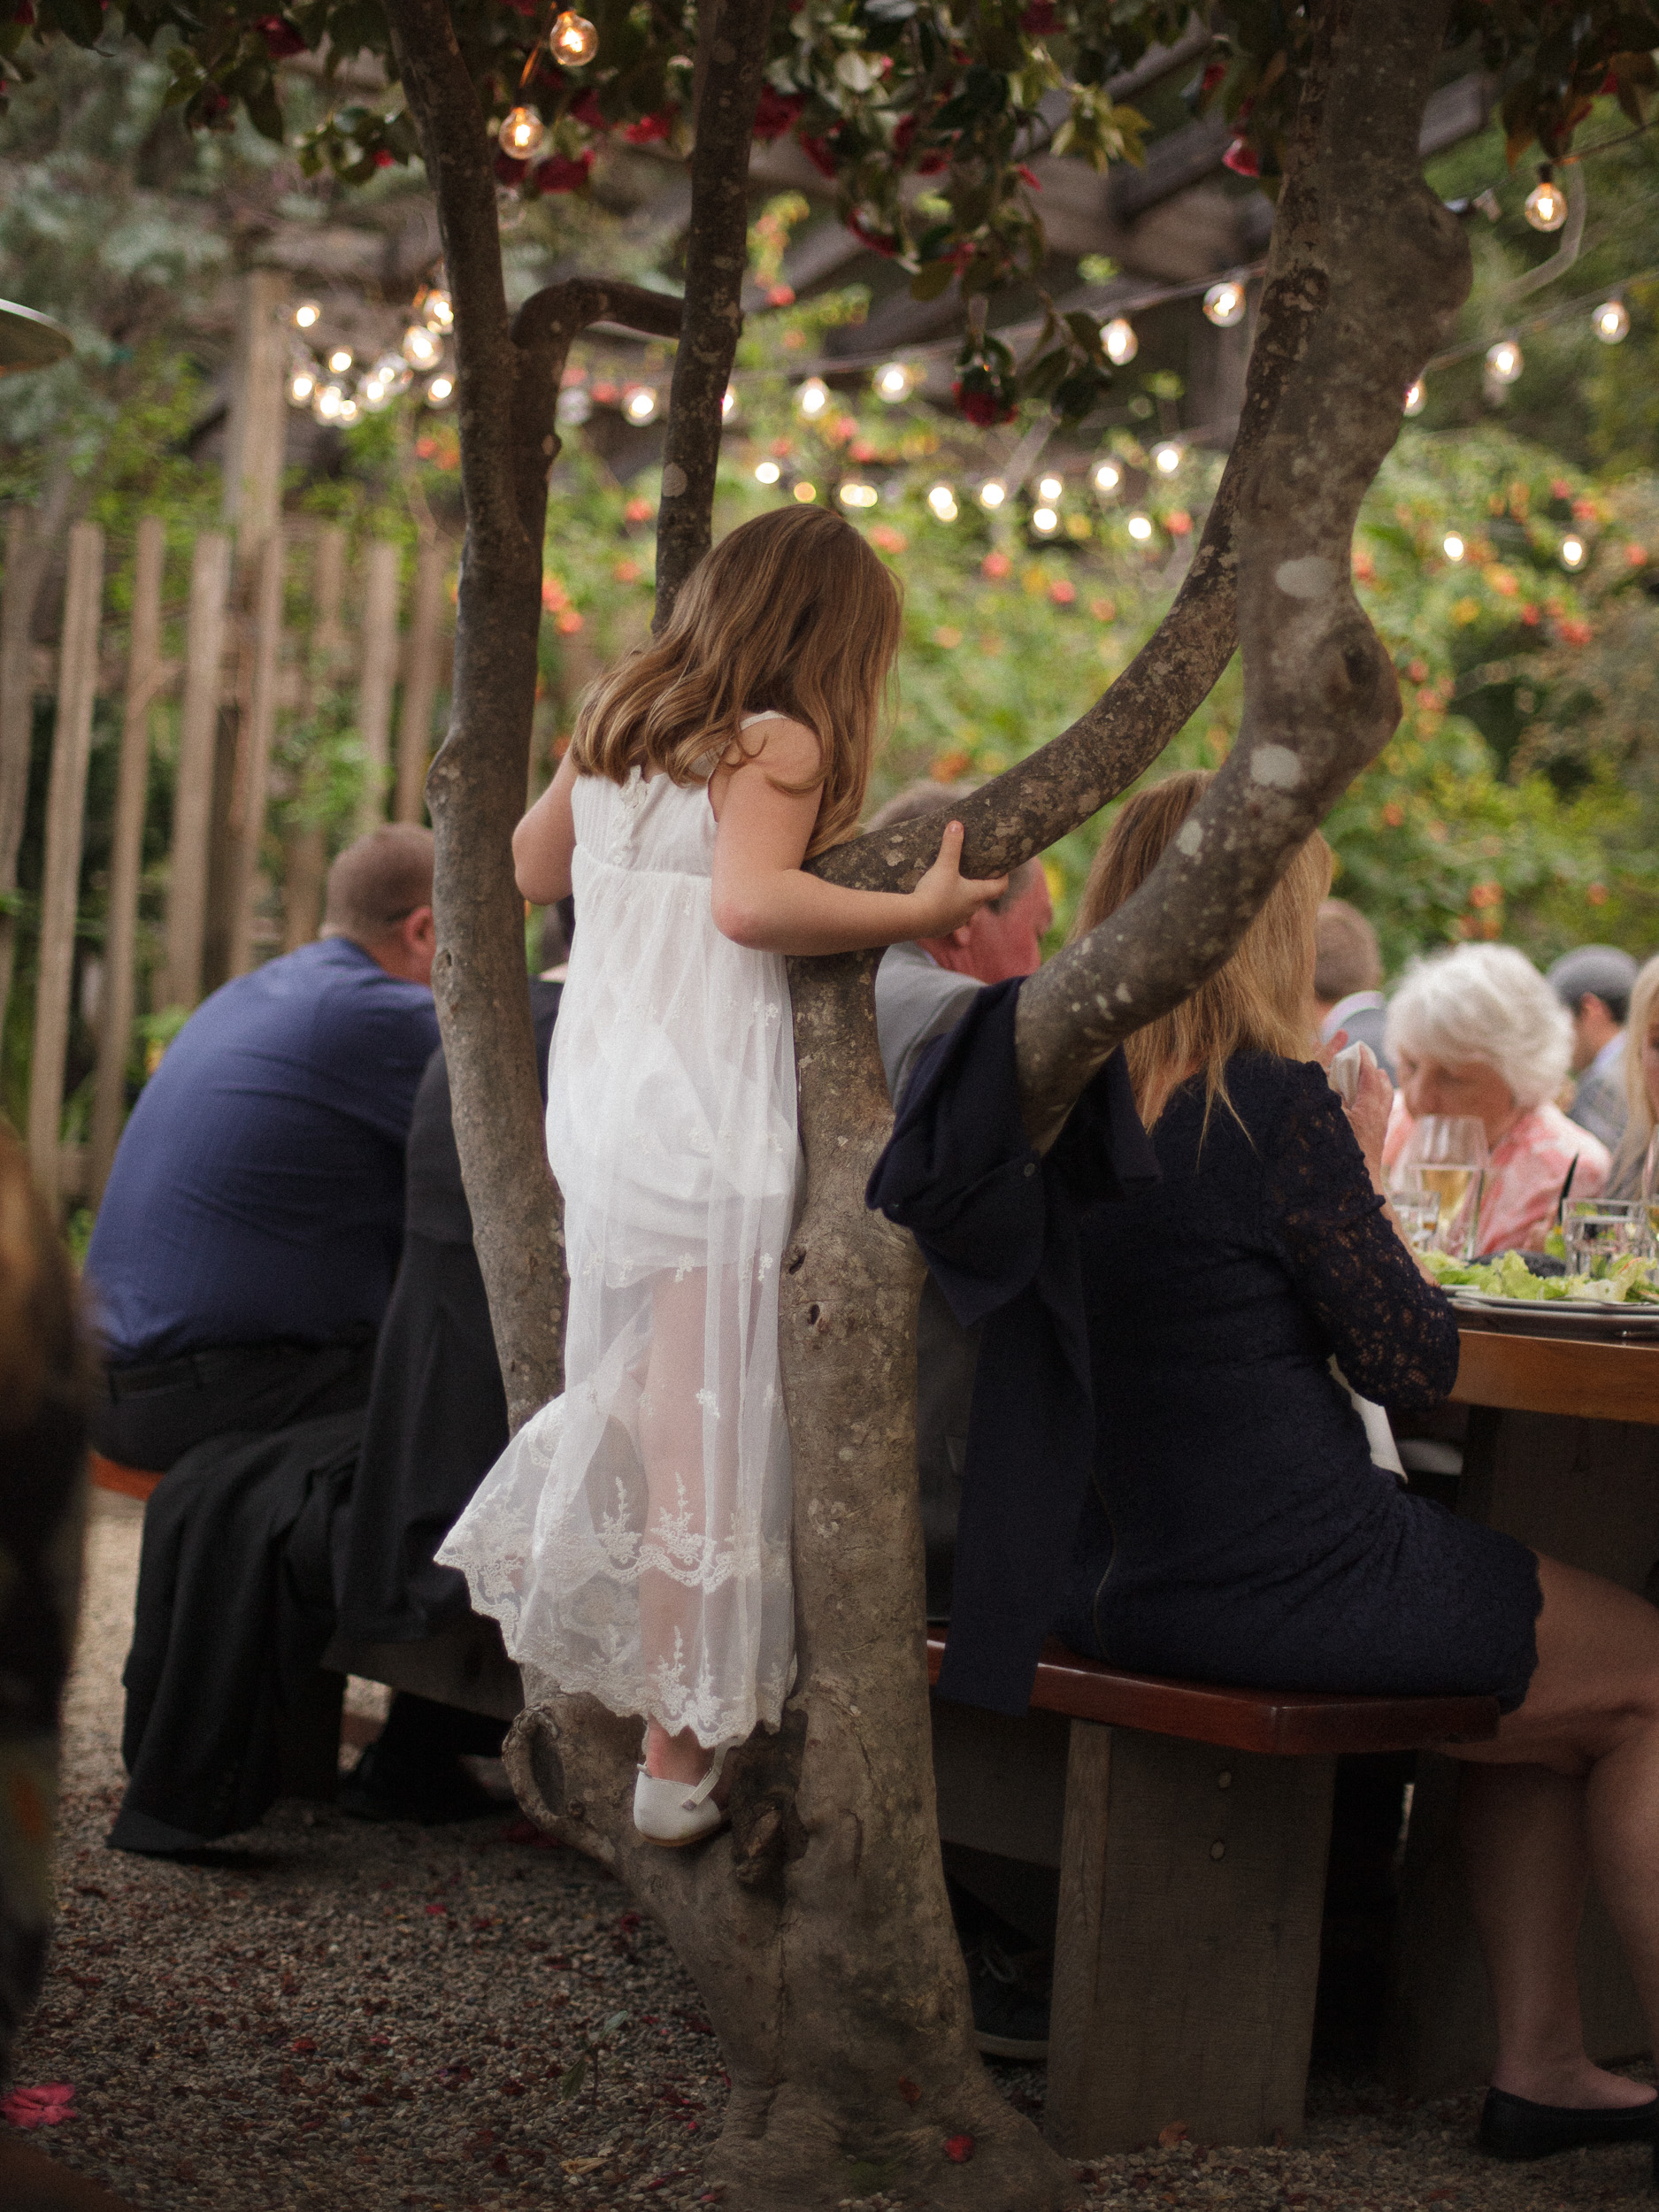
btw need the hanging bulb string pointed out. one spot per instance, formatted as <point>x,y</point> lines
<point>1559,312</point>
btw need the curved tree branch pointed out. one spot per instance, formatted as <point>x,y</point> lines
<point>1360,231</point>
<point>731,39</point>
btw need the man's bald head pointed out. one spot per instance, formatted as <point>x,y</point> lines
<point>379,895</point>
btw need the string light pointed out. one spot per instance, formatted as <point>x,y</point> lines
<point>438,311</point>
<point>302,384</point>
<point>1045,519</point>
<point>1611,322</point>
<point>894,383</point>
<point>1415,398</point>
<point>340,360</point>
<point>805,493</point>
<point>306,314</point>
<point>422,348</point>
<point>1545,204</point>
<point>1224,304</point>
<point>1452,546</point>
<point>728,402</point>
<point>813,397</point>
<point>942,500</point>
<point>992,493</point>
<point>573,40</point>
<point>767,472</point>
<point>328,402</point>
<point>1572,552</point>
<point>1167,460</point>
<point>372,392</point>
<point>522,134</point>
<point>1139,528</point>
<point>440,391</point>
<point>1050,490</point>
<point>859,495</point>
<point>638,402</point>
<point>1118,338</point>
<point>1504,362</point>
<point>1107,477</point>
<point>395,372</point>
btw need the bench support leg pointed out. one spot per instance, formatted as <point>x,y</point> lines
<point>1188,1954</point>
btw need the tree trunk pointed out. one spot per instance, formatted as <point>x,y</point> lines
<point>846,2074</point>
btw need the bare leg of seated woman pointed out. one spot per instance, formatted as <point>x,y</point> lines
<point>1570,1784</point>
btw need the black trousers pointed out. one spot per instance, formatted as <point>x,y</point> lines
<point>149,1417</point>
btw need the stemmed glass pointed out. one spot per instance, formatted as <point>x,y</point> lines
<point>1446,1153</point>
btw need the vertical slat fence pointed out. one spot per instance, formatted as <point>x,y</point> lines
<point>65,808</point>
<point>377,679</point>
<point>17,719</point>
<point>248,805</point>
<point>192,786</point>
<point>420,682</point>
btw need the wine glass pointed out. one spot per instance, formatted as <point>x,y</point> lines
<point>1446,1153</point>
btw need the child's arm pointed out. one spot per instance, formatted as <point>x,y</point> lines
<point>763,899</point>
<point>544,840</point>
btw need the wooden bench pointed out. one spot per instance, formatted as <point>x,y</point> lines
<point>1190,1825</point>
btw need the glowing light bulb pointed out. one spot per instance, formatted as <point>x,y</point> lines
<point>441,391</point>
<point>306,314</point>
<point>992,493</point>
<point>522,134</point>
<point>812,397</point>
<point>1504,362</point>
<point>572,40</point>
<point>638,402</point>
<point>340,360</point>
<point>1139,528</point>
<point>1415,398</point>
<point>422,348</point>
<point>328,401</point>
<point>1118,338</point>
<point>805,493</point>
<point>302,384</point>
<point>728,402</point>
<point>349,410</point>
<point>1107,477</point>
<point>373,394</point>
<point>1044,519</point>
<point>1546,205</point>
<point>859,495</point>
<point>893,382</point>
<point>1167,460</point>
<point>1611,322</point>
<point>1049,489</point>
<point>438,310</point>
<point>1224,304</point>
<point>1452,546</point>
<point>394,372</point>
<point>1572,552</point>
<point>767,473</point>
<point>942,500</point>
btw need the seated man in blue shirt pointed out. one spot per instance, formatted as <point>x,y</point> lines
<point>251,1229</point>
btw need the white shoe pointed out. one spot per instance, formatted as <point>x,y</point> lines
<point>676,1813</point>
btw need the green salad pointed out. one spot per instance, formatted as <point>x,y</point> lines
<point>1628,1282</point>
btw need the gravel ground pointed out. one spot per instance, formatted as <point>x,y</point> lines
<point>368,2017</point>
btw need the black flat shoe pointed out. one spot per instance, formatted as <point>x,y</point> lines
<point>1515,2127</point>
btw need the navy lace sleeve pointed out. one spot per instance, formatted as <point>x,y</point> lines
<point>1393,1332</point>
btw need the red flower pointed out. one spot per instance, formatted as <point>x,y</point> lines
<point>23,11</point>
<point>1242,158</point>
<point>1063,591</point>
<point>780,295</point>
<point>559,173</point>
<point>1214,71</point>
<point>1529,615</point>
<point>650,127</point>
<point>958,2149</point>
<point>1574,633</point>
<point>1028,176</point>
<point>42,2108</point>
<point>1039,18</point>
<point>878,240</point>
<point>281,38</point>
<point>586,111</point>
<point>930,163</point>
<point>904,134</point>
<point>383,158</point>
<point>820,154</point>
<point>508,171</point>
<point>994,566</point>
<point>776,113</point>
<point>983,409</point>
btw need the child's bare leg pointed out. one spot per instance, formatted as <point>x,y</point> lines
<point>670,1445</point>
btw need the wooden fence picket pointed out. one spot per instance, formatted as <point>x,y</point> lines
<point>247,803</point>
<point>377,678</point>
<point>420,682</point>
<point>66,810</point>
<point>193,781</point>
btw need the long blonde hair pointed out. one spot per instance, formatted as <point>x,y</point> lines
<point>792,611</point>
<point>1258,1000</point>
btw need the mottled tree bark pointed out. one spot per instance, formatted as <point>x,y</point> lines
<point>732,38</point>
<point>818,1933</point>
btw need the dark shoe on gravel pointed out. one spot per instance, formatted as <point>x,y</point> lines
<point>431,1791</point>
<point>1515,2127</point>
<point>1010,2003</point>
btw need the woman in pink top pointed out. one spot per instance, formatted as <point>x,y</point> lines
<point>1478,1031</point>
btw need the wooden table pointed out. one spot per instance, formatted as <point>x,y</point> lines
<point>1562,1451</point>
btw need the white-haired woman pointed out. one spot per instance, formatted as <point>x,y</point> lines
<point>1477,1032</point>
<point>1641,1085</point>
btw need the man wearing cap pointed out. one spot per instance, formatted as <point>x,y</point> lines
<point>1593,984</point>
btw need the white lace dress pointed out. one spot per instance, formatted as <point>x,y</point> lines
<point>633,1539</point>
